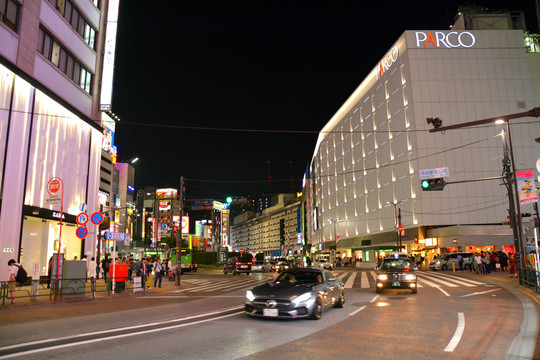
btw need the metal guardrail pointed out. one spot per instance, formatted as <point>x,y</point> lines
<point>529,277</point>
<point>34,290</point>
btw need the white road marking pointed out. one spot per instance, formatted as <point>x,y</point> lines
<point>451,278</point>
<point>375,298</point>
<point>479,293</point>
<point>444,292</point>
<point>340,277</point>
<point>117,329</point>
<point>350,281</point>
<point>427,282</point>
<point>458,334</point>
<point>357,310</point>
<point>189,296</point>
<point>432,278</point>
<point>364,280</point>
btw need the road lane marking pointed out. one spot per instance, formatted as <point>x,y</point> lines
<point>119,329</point>
<point>448,278</point>
<point>350,281</point>
<point>443,291</point>
<point>113,337</point>
<point>375,298</point>
<point>357,310</point>
<point>364,280</point>
<point>340,277</point>
<point>427,282</point>
<point>479,293</point>
<point>458,334</point>
<point>432,278</point>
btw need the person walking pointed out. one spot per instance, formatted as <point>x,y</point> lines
<point>460,262</point>
<point>512,265</point>
<point>471,263</point>
<point>504,261</point>
<point>143,270</point>
<point>105,267</point>
<point>158,271</point>
<point>49,273</point>
<point>13,270</point>
<point>487,263</point>
<point>479,265</point>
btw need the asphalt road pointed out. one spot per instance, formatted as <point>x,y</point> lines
<point>452,316</point>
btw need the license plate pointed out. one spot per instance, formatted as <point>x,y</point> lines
<point>270,312</point>
<point>243,266</point>
<point>396,283</point>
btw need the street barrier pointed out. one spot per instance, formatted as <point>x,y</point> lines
<point>529,277</point>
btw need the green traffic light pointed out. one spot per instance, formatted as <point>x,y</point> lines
<point>424,184</point>
<point>229,200</point>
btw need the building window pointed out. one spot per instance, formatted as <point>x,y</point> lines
<point>9,13</point>
<point>51,49</point>
<point>74,17</point>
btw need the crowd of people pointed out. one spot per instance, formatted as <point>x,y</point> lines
<point>484,263</point>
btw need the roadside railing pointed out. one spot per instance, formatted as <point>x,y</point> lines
<point>529,277</point>
<point>34,290</point>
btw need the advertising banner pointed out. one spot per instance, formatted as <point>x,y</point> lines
<point>525,184</point>
<point>166,194</point>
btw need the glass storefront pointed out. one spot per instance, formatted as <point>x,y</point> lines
<point>40,242</point>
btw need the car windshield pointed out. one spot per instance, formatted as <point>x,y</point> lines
<point>321,260</point>
<point>303,277</point>
<point>396,264</point>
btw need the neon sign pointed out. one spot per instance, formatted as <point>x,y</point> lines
<point>387,61</point>
<point>451,40</point>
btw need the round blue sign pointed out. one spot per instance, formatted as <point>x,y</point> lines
<point>81,232</point>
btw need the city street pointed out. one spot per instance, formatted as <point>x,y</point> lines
<point>462,313</point>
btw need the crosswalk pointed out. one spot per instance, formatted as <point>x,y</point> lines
<point>351,279</point>
<point>367,279</point>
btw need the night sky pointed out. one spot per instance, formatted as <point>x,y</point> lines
<point>182,72</point>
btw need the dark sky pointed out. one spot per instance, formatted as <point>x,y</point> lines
<point>253,65</point>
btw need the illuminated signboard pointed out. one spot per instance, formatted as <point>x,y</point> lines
<point>166,193</point>
<point>387,62</point>
<point>185,224</point>
<point>164,205</point>
<point>452,39</point>
<point>108,59</point>
<point>109,126</point>
<point>217,205</point>
<point>131,188</point>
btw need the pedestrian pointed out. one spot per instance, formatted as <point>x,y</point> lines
<point>91,270</point>
<point>143,270</point>
<point>75,258</point>
<point>84,258</point>
<point>13,270</point>
<point>105,267</point>
<point>158,271</point>
<point>49,273</point>
<point>471,263</point>
<point>308,261</point>
<point>504,261</point>
<point>479,265</point>
<point>487,263</point>
<point>172,269</point>
<point>512,265</point>
<point>149,266</point>
<point>460,262</point>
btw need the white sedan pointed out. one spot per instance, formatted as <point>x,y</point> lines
<point>323,264</point>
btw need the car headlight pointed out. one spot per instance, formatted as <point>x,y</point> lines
<point>382,277</point>
<point>302,298</point>
<point>410,277</point>
<point>437,262</point>
<point>250,296</point>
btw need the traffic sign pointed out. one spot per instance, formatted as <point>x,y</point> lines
<point>434,173</point>
<point>167,248</point>
<point>82,218</point>
<point>96,218</point>
<point>53,186</point>
<point>115,236</point>
<point>81,232</point>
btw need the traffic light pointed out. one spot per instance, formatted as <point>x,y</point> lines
<point>436,184</point>
<point>229,199</point>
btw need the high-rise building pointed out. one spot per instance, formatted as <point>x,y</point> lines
<point>56,67</point>
<point>369,158</point>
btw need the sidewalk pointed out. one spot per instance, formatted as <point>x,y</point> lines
<point>25,298</point>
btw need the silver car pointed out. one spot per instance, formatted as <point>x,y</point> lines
<point>445,261</point>
<point>261,266</point>
<point>296,293</point>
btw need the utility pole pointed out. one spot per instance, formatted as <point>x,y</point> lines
<point>179,234</point>
<point>514,212</point>
<point>398,229</point>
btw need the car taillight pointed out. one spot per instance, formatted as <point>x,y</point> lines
<point>250,263</point>
<point>237,263</point>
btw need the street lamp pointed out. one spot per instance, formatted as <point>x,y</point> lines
<point>397,221</point>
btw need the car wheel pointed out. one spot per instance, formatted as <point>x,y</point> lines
<point>444,268</point>
<point>317,310</point>
<point>415,290</point>
<point>341,302</point>
<point>247,274</point>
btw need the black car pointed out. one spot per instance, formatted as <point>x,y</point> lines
<point>238,265</point>
<point>296,293</point>
<point>396,273</point>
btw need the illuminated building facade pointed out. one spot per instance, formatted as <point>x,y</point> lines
<point>370,154</point>
<point>54,82</point>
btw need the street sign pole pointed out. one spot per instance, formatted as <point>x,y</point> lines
<point>179,234</point>
<point>52,189</point>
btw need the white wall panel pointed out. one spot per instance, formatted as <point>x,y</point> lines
<point>9,44</point>
<point>15,166</point>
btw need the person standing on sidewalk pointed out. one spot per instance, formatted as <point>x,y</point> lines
<point>460,262</point>
<point>479,265</point>
<point>158,271</point>
<point>512,265</point>
<point>12,282</point>
<point>91,272</point>
<point>487,263</point>
<point>143,270</point>
<point>471,263</point>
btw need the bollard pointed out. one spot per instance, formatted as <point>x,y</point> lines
<point>453,267</point>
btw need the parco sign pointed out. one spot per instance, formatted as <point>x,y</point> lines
<point>387,61</point>
<point>453,39</point>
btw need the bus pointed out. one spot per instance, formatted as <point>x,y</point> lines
<point>187,264</point>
